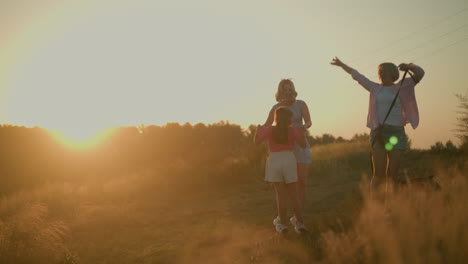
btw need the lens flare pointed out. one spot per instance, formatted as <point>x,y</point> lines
<point>388,146</point>
<point>393,140</point>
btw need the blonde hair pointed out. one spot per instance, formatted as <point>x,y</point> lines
<point>391,68</point>
<point>280,95</point>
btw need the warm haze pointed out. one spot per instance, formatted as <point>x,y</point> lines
<point>83,66</point>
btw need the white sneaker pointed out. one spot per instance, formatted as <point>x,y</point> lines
<point>280,228</point>
<point>293,220</point>
<point>276,221</point>
<point>300,228</point>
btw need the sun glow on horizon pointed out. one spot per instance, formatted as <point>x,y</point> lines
<point>81,139</point>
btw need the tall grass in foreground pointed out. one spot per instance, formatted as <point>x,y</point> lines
<point>420,224</point>
<point>28,235</point>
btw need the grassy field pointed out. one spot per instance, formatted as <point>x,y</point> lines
<point>153,217</point>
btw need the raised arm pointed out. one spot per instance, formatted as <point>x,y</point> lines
<point>337,62</point>
<point>418,72</point>
<point>361,79</point>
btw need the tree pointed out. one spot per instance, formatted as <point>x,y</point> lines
<point>461,130</point>
<point>437,147</point>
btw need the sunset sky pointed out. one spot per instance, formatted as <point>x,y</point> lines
<point>82,66</point>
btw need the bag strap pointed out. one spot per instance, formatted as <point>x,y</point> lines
<point>395,98</point>
<point>394,101</point>
<point>414,79</point>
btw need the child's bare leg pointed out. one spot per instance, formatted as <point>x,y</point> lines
<point>281,201</point>
<point>296,203</point>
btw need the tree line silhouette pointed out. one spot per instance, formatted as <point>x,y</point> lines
<point>195,154</point>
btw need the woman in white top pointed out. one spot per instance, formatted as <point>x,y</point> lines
<point>388,139</point>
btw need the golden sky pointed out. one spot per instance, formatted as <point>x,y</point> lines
<point>82,66</point>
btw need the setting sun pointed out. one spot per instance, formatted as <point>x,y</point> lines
<point>83,139</point>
